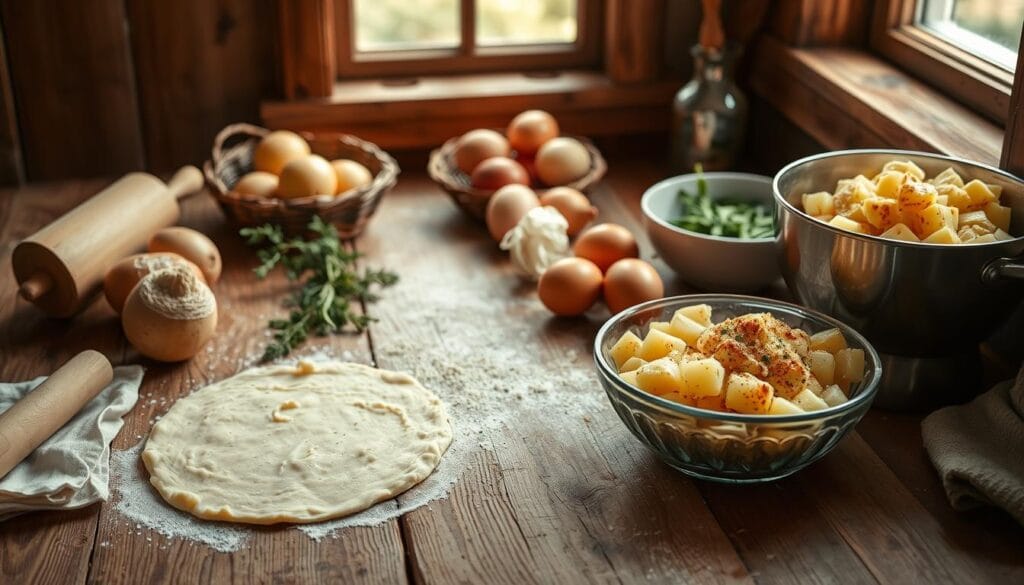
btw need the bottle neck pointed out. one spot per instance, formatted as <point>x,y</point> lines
<point>711,65</point>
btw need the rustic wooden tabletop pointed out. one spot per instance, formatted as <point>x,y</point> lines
<point>548,500</point>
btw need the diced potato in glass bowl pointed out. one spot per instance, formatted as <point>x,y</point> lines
<point>734,388</point>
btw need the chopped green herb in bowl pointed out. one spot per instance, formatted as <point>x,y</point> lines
<point>725,217</point>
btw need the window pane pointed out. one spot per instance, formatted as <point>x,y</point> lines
<point>525,22</point>
<point>388,25</point>
<point>988,28</point>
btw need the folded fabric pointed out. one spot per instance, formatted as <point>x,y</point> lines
<point>72,468</point>
<point>978,449</point>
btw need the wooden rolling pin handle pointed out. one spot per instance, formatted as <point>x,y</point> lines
<point>40,413</point>
<point>36,286</point>
<point>186,181</point>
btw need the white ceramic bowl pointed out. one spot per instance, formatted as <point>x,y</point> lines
<point>712,263</point>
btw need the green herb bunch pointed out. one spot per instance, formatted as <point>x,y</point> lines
<point>333,287</point>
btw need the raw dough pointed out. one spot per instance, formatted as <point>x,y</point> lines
<point>286,444</point>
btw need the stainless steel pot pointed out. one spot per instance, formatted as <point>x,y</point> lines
<point>926,306</point>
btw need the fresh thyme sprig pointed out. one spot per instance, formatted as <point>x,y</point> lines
<point>326,302</point>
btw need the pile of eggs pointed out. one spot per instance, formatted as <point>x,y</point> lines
<point>604,258</point>
<point>604,263</point>
<point>530,153</point>
<point>285,168</point>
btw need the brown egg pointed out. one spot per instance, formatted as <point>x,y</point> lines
<point>573,205</point>
<point>475,146</point>
<point>351,175</point>
<point>307,176</point>
<point>606,244</point>
<point>257,184</point>
<point>630,282</point>
<point>277,149</point>
<point>530,129</point>
<point>170,314</point>
<point>191,245</point>
<point>498,171</point>
<point>562,160</point>
<point>507,206</point>
<point>123,276</point>
<point>570,286</point>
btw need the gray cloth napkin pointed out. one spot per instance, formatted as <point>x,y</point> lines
<point>978,449</point>
<point>71,469</point>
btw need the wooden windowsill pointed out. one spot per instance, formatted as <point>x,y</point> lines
<point>850,99</point>
<point>426,111</point>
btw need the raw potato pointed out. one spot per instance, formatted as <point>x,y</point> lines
<point>625,348</point>
<point>631,364</point>
<point>850,365</point>
<point>703,377</point>
<point>658,377</point>
<point>781,406</point>
<point>833,396</point>
<point>900,204</point>
<point>746,394</point>
<point>630,378</point>
<point>658,344</point>
<point>900,231</point>
<point>686,328</point>
<point>830,340</point>
<point>700,314</point>
<point>284,444</point>
<point>808,401</point>
<point>191,245</point>
<point>823,366</point>
<point>663,326</point>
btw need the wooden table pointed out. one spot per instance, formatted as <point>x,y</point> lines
<point>581,501</point>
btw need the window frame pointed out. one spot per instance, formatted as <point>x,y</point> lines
<point>585,52</point>
<point>976,82</point>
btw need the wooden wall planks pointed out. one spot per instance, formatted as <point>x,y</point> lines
<point>199,67</point>
<point>73,87</point>
<point>106,87</point>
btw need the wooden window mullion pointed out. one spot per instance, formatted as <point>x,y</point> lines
<point>1013,137</point>
<point>467,26</point>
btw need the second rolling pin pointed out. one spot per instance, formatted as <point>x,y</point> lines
<point>59,267</point>
<point>43,411</point>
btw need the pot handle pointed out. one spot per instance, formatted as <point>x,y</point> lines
<point>1003,268</point>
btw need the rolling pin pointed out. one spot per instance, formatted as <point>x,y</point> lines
<point>40,413</point>
<point>59,267</point>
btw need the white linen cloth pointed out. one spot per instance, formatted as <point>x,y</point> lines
<point>72,468</point>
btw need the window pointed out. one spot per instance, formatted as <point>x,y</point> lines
<point>966,48</point>
<point>989,29</point>
<point>404,38</point>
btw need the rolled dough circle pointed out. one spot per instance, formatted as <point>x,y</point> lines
<point>296,444</point>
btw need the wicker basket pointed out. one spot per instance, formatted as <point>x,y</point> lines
<point>232,158</point>
<point>473,201</point>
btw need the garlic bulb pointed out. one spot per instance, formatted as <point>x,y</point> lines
<point>537,241</point>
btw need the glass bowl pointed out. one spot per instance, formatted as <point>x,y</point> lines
<point>722,446</point>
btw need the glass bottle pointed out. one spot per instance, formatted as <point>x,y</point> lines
<point>709,114</point>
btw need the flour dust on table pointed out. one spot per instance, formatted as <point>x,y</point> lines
<point>495,375</point>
